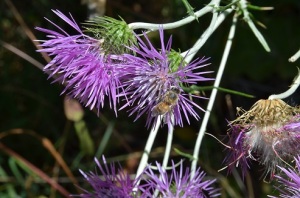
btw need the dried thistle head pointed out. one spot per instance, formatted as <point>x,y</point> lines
<point>269,133</point>
<point>266,112</point>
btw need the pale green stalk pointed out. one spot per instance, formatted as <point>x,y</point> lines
<point>256,32</point>
<point>167,151</point>
<point>147,150</point>
<point>213,96</point>
<point>295,56</point>
<point>290,91</point>
<point>153,26</point>
<point>191,52</point>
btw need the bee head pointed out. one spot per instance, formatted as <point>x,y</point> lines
<point>175,89</point>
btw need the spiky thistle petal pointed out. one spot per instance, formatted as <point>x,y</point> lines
<point>152,77</point>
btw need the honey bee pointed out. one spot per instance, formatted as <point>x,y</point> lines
<point>166,103</point>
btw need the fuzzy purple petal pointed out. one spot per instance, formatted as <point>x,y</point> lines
<point>290,181</point>
<point>177,184</point>
<point>238,153</point>
<point>150,78</point>
<point>79,63</point>
<point>112,182</point>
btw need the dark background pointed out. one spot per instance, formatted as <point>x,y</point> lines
<point>32,108</point>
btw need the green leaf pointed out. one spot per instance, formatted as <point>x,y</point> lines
<point>15,170</point>
<point>195,88</point>
<point>11,192</point>
<point>243,6</point>
<point>189,156</point>
<point>253,7</point>
<point>105,139</point>
<point>258,35</point>
<point>86,142</point>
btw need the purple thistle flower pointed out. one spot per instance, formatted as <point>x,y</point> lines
<point>238,154</point>
<point>290,187</point>
<point>154,83</point>
<point>114,184</point>
<point>268,133</point>
<point>80,63</point>
<point>178,184</point>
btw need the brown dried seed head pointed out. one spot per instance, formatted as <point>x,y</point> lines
<point>265,112</point>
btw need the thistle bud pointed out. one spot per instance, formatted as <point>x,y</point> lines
<point>116,34</point>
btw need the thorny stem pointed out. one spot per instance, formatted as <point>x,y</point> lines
<point>191,52</point>
<point>216,21</point>
<point>290,91</point>
<point>256,32</point>
<point>213,95</point>
<point>154,26</point>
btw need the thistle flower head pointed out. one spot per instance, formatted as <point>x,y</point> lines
<point>177,184</point>
<point>269,133</point>
<point>113,182</point>
<point>80,62</point>
<point>289,181</point>
<point>154,82</point>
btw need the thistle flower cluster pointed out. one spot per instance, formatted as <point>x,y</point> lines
<point>95,68</point>
<point>268,133</point>
<point>115,182</point>
<point>178,184</point>
<point>152,75</point>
